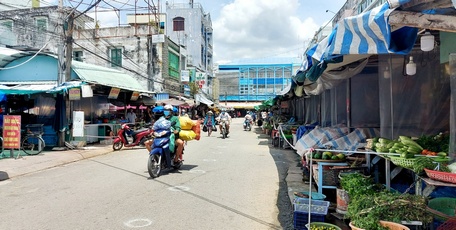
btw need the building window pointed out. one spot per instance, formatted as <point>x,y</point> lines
<point>7,24</point>
<point>77,55</point>
<point>41,24</point>
<point>178,24</point>
<point>116,57</point>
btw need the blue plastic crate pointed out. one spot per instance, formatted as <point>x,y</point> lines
<point>300,219</point>
<point>318,211</point>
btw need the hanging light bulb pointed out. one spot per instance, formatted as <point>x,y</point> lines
<point>427,42</point>
<point>410,68</point>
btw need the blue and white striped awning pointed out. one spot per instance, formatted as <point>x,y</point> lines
<point>367,33</point>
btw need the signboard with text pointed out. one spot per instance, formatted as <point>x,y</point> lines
<point>11,132</point>
<point>78,123</point>
<point>74,94</point>
<point>114,93</point>
<point>134,96</point>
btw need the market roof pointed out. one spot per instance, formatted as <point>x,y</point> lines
<point>106,76</point>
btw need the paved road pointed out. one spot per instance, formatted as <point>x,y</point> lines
<point>235,183</point>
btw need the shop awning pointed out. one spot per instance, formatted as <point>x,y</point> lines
<point>106,76</point>
<point>365,34</point>
<point>203,99</point>
<point>27,89</point>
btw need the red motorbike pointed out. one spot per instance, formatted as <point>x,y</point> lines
<point>138,136</point>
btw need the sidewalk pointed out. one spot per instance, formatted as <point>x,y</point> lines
<point>11,167</point>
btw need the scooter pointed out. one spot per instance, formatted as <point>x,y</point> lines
<point>248,124</point>
<point>139,137</point>
<point>161,157</point>
<point>224,131</point>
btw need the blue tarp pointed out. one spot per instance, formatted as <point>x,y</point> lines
<point>366,33</point>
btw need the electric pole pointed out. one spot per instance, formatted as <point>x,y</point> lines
<point>69,46</point>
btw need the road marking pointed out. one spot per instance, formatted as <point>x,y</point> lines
<point>138,223</point>
<point>179,188</point>
<point>197,171</point>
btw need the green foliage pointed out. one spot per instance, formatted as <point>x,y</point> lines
<point>370,203</point>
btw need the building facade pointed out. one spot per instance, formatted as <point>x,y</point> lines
<point>189,26</point>
<point>255,80</point>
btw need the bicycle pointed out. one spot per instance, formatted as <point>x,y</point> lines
<point>33,143</point>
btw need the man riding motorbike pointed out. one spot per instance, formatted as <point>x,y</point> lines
<point>248,119</point>
<point>179,143</point>
<point>224,115</point>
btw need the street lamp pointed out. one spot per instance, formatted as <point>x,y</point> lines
<point>330,11</point>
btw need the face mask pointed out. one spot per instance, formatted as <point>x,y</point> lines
<point>166,113</point>
<point>223,113</point>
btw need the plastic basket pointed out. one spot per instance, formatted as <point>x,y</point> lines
<point>389,225</point>
<point>331,173</point>
<point>316,206</point>
<point>403,162</point>
<point>318,211</point>
<point>300,219</point>
<point>444,205</point>
<point>326,225</point>
<point>441,176</point>
<point>315,195</point>
<point>35,129</point>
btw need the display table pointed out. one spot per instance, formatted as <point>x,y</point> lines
<point>430,186</point>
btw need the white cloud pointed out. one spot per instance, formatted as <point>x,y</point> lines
<point>106,19</point>
<point>260,28</point>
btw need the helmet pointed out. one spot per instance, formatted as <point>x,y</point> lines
<point>209,112</point>
<point>168,107</point>
<point>223,109</point>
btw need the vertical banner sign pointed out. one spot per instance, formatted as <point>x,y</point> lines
<point>134,96</point>
<point>11,132</point>
<point>114,93</point>
<point>74,94</point>
<point>185,76</point>
<point>78,123</point>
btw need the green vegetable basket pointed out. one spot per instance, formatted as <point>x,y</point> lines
<point>403,162</point>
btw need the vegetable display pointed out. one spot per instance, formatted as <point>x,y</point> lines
<point>370,203</point>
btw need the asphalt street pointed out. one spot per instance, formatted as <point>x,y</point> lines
<point>241,182</point>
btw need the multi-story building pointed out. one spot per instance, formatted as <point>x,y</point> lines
<point>255,80</point>
<point>189,26</point>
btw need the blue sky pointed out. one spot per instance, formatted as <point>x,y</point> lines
<point>247,28</point>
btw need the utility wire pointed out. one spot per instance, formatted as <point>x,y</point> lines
<point>23,63</point>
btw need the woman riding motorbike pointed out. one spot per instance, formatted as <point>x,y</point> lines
<point>224,116</point>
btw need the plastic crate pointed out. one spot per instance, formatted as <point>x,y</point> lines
<point>318,211</point>
<point>300,219</point>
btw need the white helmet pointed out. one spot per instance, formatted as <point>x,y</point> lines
<point>168,107</point>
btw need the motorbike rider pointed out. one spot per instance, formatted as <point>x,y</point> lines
<point>248,119</point>
<point>179,143</point>
<point>209,122</point>
<point>227,117</point>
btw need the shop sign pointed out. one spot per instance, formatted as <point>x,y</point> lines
<point>134,96</point>
<point>74,94</point>
<point>185,76</point>
<point>11,132</point>
<point>78,123</point>
<point>86,91</point>
<point>114,93</point>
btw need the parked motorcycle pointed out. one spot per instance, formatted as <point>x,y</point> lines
<point>161,157</point>
<point>139,137</point>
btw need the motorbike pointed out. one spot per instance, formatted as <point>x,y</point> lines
<point>223,122</point>
<point>161,157</point>
<point>139,137</point>
<point>248,124</point>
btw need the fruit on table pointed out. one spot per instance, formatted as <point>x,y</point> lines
<point>341,156</point>
<point>317,155</point>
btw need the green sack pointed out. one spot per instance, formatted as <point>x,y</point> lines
<point>172,142</point>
